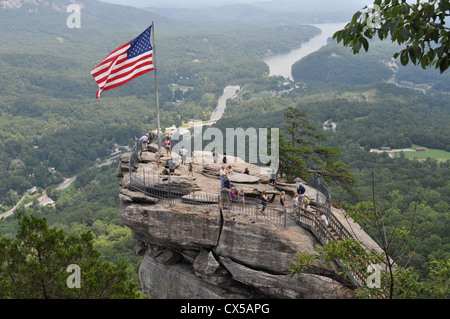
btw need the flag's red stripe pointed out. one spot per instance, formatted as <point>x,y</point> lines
<point>123,80</point>
<point>110,66</point>
<point>119,84</point>
<point>115,77</point>
<point>112,55</point>
<point>119,67</point>
<point>116,69</point>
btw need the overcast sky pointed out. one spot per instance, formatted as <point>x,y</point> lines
<point>357,4</point>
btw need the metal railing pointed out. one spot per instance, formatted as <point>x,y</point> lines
<point>312,222</point>
<point>323,195</point>
<point>162,187</point>
<point>254,208</point>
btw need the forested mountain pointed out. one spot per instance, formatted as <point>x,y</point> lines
<point>49,117</point>
<point>372,115</point>
<point>48,98</point>
<point>52,127</point>
<point>339,65</point>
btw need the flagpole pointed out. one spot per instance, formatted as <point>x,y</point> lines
<point>156,89</point>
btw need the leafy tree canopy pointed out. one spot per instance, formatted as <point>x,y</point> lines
<point>303,154</point>
<point>36,265</point>
<point>419,28</point>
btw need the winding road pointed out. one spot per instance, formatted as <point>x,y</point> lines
<point>61,186</point>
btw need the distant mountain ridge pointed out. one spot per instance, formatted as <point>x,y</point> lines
<point>58,5</point>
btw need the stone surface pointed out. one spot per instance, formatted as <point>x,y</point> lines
<point>261,244</point>
<point>179,282</point>
<point>256,173</point>
<point>304,286</point>
<point>200,251</point>
<point>128,196</point>
<point>179,227</point>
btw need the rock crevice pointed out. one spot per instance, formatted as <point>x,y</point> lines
<point>201,251</point>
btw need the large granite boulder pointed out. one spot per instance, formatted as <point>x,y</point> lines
<point>191,248</point>
<point>177,226</point>
<point>256,175</point>
<point>260,244</point>
<point>304,286</point>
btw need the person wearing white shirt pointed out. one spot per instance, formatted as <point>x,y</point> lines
<point>183,153</point>
<point>223,175</point>
<point>144,141</point>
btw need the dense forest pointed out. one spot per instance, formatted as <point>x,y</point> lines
<point>49,114</point>
<point>49,117</point>
<point>52,127</point>
<point>373,116</point>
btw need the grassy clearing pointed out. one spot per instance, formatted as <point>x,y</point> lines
<point>439,155</point>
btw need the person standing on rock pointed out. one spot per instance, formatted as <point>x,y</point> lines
<point>226,182</point>
<point>144,141</point>
<point>224,158</point>
<point>229,170</point>
<point>216,155</point>
<point>183,153</point>
<point>241,198</point>
<point>272,178</point>
<point>295,203</point>
<point>171,166</point>
<point>222,174</point>
<point>150,137</point>
<point>282,202</point>
<point>301,192</point>
<point>264,202</point>
<point>158,159</point>
<point>191,169</point>
<point>168,145</point>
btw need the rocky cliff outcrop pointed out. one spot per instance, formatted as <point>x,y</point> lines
<point>202,251</point>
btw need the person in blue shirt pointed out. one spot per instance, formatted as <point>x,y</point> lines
<point>272,178</point>
<point>301,192</point>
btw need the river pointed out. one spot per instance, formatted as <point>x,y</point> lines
<point>281,64</point>
<point>228,92</point>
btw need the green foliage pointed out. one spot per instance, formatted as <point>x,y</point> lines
<point>393,283</point>
<point>334,64</point>
<point>418,27</point>
<point>389,116</point>
<point>439,284</point>
<point>49,116</point>
<point>34,265</point>
<point>302,155</point>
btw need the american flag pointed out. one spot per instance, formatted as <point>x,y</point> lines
<point>128,61</point>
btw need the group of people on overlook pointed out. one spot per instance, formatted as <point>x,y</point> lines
<point>229,194</point>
